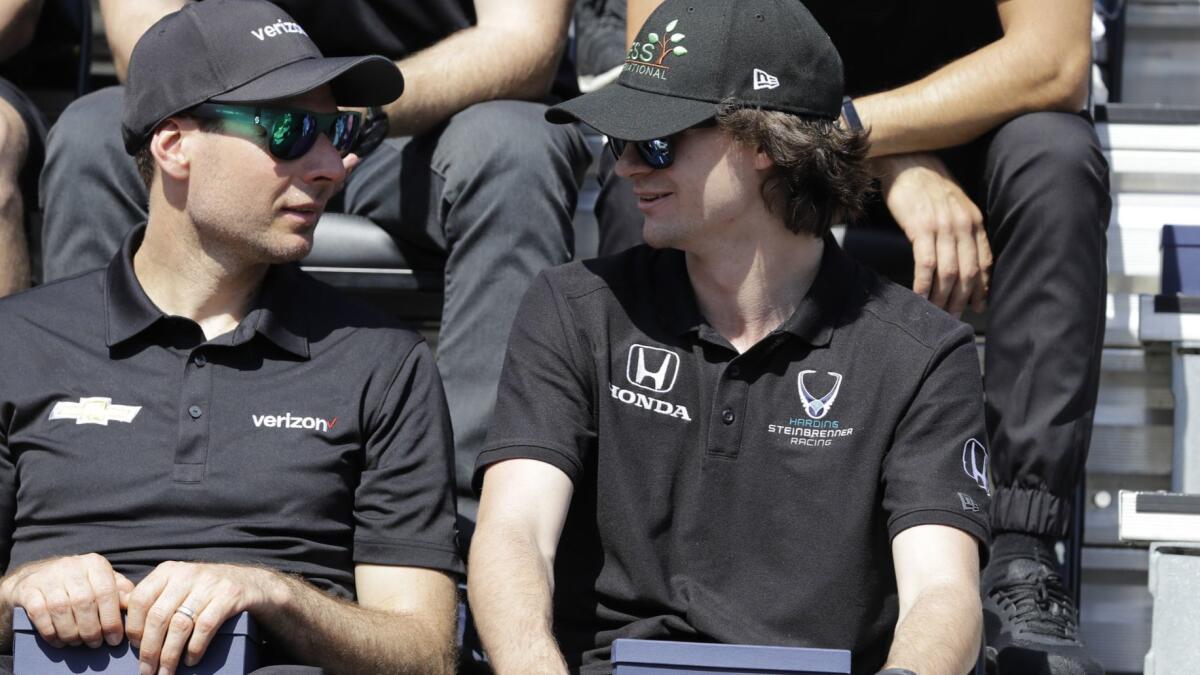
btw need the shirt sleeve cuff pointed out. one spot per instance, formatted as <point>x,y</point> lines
<point>979,530</point>
<point>562,461</point>
<point>408,553</point>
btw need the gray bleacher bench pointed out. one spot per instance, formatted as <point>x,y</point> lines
<point>360,257</point>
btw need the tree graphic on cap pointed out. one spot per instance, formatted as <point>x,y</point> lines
<point>665,45</point>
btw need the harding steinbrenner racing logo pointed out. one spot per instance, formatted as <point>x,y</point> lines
<point>817,408</point>
<point>653,369</point>
<point>812,429</point>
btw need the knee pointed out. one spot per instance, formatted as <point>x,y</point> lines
<point>1050,165</point>
<point>14,138</point>
<point>89,129</point>
<point>1050,147</point>
<point>513,137</point>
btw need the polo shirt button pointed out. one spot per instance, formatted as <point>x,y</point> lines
<point>727,416</point>
<point>195,412</point>
<point>200,360</point>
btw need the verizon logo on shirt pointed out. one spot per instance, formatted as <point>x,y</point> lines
<point>276,29</point>
<point>290,421</point>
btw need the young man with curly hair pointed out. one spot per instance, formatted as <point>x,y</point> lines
<point>733,433</point>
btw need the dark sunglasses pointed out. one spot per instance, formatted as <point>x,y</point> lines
<point>290,133</point>
<point>657,152</point>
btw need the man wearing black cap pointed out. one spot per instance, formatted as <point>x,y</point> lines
<point>993,172</point>
<point>465,139</point>
<point>735,434</point>
<point>200,429</point>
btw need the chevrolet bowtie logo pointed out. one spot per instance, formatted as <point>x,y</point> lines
<point>94,410</point>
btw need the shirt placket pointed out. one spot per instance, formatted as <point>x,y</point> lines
<point>195,402</point>
<point>728,412</point>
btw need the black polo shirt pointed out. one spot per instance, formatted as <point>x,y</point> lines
<point>312,437</point>
<point>744,498</point>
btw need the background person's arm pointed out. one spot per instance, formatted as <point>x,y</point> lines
<point>636,13</point>
<point>512,52</point>
<point>126,20</point>
<point>937,578</point>
<point>511,579</point>
<point>404,622</point>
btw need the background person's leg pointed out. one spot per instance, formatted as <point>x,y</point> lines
<point>510,186</point>
<point>494,191</point>
<point>14,249</point>
<point>617,214</point>
<point>1047,206</point>
<point>90,190</point>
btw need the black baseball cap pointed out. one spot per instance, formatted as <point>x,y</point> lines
<point>694,54</point>
<point>238,51</point>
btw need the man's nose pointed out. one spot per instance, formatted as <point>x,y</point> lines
<point>631,164</point>
<point>323,163</point>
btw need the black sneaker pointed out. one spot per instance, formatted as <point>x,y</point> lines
<point>1029,619</point>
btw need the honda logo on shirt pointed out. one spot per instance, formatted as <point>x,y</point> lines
<point>975,463</point>
<point>652,368</point>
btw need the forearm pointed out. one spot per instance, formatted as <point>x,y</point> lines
<point>126,20</point>
<point>18,19</point>
<point>636,13</point>
<point>940,634</point>
<point>511,586</point>
<point>343,637</point>
<point>1041,64</point>
<point>502,60</point>
<point>6,610</point>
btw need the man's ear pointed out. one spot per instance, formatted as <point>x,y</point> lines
<point>763,161</point>
<point>169,150</point>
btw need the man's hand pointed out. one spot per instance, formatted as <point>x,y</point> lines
<point>72,600</point>
<point>951,255</point>
<point>212,593</point>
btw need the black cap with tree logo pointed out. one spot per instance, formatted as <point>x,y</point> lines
<point>692,55</point>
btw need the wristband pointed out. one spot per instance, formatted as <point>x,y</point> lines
<point>852,119</point>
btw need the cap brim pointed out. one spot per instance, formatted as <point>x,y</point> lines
<point>356,81</point>
<point>632,114</point>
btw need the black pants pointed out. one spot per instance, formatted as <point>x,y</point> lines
<point>1041,181</point>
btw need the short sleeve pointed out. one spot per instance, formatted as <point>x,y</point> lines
<point>404,504</point>
<point>545,400</point>
<point>936,471</point>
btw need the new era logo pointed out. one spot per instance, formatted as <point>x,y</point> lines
<point>969,505</point>
<point>764,80</point>
<point>652,368</point>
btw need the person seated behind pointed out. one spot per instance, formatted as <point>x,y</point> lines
<point>201,429</point>
<point>22,134</point>
<point>735,434</point>
<point>467,135</point>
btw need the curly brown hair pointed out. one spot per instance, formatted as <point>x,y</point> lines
<point>821,174</point>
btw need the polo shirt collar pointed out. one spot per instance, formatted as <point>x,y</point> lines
<point>834,290</point>
<point>276,313</point>
<point>834,293</point>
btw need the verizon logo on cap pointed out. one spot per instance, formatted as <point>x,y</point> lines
<point>276,29</point>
